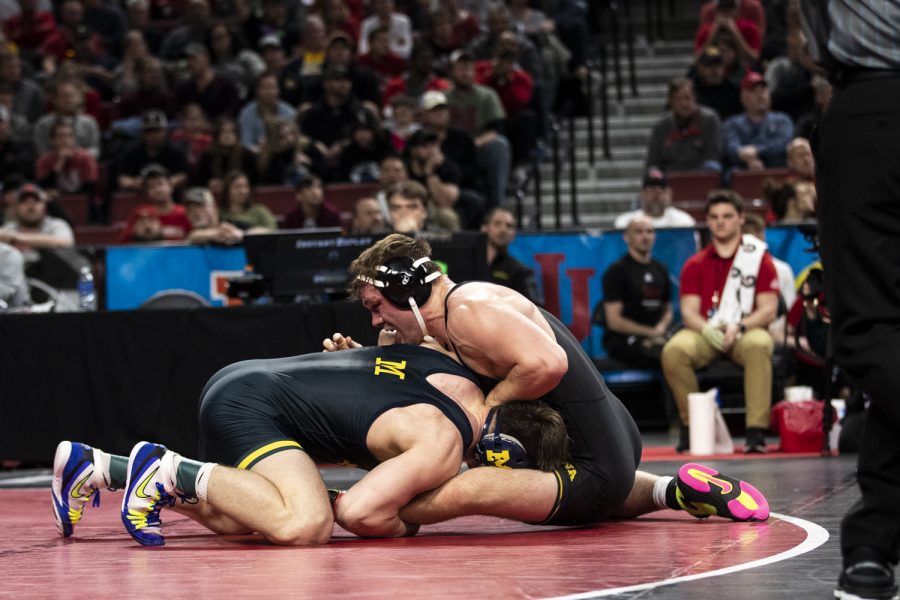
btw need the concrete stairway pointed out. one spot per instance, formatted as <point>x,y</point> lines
<point>610,187</point>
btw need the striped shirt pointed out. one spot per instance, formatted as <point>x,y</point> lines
<point>865,33</point>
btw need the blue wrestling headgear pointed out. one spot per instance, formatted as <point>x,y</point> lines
<point>498,449</point>
<point>402,278</point>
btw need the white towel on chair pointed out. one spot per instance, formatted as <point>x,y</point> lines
<point>740,286</point>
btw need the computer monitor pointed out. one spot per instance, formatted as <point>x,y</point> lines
<point>316,262</point>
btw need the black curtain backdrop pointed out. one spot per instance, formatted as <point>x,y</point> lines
<point>111,379</point>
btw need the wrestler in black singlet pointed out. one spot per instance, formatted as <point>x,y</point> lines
<point>324,403</point>
<point>606,443</point>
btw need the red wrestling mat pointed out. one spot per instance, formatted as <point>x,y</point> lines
<point>470,557</point>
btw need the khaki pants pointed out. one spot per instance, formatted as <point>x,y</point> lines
<point>688,351</point>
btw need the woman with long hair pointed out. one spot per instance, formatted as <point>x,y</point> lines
<point>226,154</point>
<point>236,204</point>
<point>282,160</point>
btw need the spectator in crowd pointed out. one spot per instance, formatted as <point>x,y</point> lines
<point>393,172</point>
<point>108,21</point>
<point>380,58</point>
<point>712,87</point>
<point>65,167</point>
<point>822,91</point>
<point>300,76</point>
<point>225,154</point>
<point>61,43</point>
<point>337,16</point>
<point>750,10</point>
<point>465,24</point>
<point>636,307</point>
<point>272,53</point>
<point>408,205</point>
<point>191,134</point>
<point>366,84</point>
<point>687,137</point>
<point>282,158</point>
<point>138,16</point>
<point>16,156</point>
<point>327,121</point>
<point>143,225</point>
<point>484,47</point>
<point>723,318</point>
<point>206,227</point>
<point>68,101</point>
<point>756,139</point>
<point>154,148</point>
<point>439,175</point>
<point>808,325</point>
<point>13,288</point>
<point>398,24</point>
<point>134,51</point>
<point>28,96</point>
<point>402,121</point>
<point>157,189</point>
<point>514,86</point>
<point>32,227</point>
<point>237,206</point>
<point>790,78</point>
<point>755,225</point>
<point>800,160</point>
<point>152,93</point>
<point>419,77</point>
<point>264,109</point>
<point>278,18</point>
<point>366,147</point>
<point>477,110</point>
<point>232,60</point>
<point>727,20</point>
<point>312,209</point>
<point>192,29</point>
<point>500,227</point>
<point>791,201</point>
<point>30,27</point>
<point>20,130</point>
<point>9,193</point>
<point>367,218</point>
<point>216,95</point>
<point>441,38</point>
<point>656,204</point>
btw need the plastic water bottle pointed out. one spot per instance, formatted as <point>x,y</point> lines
<point>87,295</point>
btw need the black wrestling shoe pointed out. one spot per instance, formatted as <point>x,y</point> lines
<point>867,580</point>
<point>684,439</point>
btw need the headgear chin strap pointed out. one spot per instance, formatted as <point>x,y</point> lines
<point>498,449</point>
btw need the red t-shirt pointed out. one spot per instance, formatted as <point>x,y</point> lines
<point>391,65</point>
<point>397,85</point>
<point>515,94</point>
<point>704,275</point>
<point>749,32</point>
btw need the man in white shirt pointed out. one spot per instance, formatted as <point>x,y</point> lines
<point>398,24</point>
<point>656,205</point>
<point>32,226</point>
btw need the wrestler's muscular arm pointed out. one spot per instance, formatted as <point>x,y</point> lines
<point>503,335</point>
<point>425,451</point>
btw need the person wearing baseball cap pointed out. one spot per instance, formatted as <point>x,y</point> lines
<point>152,148</point>
<point>757,139</point>
<point>656,204</point>
<point>32,226</point>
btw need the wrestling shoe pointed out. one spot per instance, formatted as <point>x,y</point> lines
<point>704,492</point>
<point>146,494</point>
<point>73,470</point>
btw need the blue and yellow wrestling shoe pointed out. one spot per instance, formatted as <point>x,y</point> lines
<point>72,487</point>
<point>704,492</point>
<point>145,494</point>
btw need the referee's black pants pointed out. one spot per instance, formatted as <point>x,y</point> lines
<point>858,170</point>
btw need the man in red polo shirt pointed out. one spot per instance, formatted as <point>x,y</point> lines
<point>726,318</point>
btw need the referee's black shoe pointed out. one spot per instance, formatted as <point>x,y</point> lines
<point>867,580</point>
